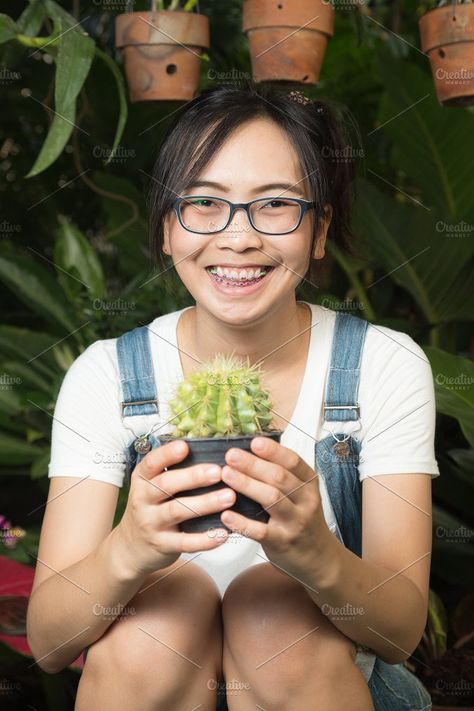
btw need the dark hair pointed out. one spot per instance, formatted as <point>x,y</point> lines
<point>316,128</point>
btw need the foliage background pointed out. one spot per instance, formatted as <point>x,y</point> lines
<point>74,258</point>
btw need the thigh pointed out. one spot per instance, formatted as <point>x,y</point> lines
<point>175,615</point>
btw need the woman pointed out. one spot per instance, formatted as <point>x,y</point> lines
<point>319,607</point>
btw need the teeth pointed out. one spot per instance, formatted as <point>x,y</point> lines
<point>239,274</point>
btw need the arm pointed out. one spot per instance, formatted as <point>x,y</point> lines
<point>80,562</point>
<point>389,585</point>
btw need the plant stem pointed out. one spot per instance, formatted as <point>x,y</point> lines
<point>36,41</point>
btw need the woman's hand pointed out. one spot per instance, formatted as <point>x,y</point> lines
<point>296,534</point>
<point>148,535</point>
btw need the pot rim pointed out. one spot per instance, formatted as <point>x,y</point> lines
<point>435,30</point>
<point>190,29</point>
<point>266,433</point>
<point>249,23</point>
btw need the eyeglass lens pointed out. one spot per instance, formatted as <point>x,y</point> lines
<point>206,215</point>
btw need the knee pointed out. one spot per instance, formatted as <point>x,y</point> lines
<point>276,635</point>
<point>167,631</point>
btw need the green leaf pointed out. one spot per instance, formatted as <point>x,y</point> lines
<point>8,29</point>
<point>415,254</point>
<point>454,380</point>
<point>15,451</point>
<point>74,254</point>
<point>437,624</point>
<point>432,142</point>
<point>30,347</point>
<point>10,401</point>
<point>123,106</point>
<point>56,12</point>
<point>39,468</point>
<point>30,21</point>
<point>56,139</point>
<point>75,54</point>
<point>455,486</point>
<point>73,62</point>
<point>35,286</point>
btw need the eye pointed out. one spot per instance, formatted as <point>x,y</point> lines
<point>277,203</point>
<point>200,202</point>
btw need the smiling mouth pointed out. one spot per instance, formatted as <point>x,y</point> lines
<point>212,271</point>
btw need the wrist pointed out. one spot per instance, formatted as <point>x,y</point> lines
<point>326,567</point>
<point>119,553</point>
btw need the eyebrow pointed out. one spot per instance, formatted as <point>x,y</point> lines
<point>262,188</point>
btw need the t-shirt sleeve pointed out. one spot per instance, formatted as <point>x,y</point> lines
<point>87,438</point>
<point>398,408</point>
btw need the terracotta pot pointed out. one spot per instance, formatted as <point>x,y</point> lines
<point>447,36</point>
<point>287,40</point>
<point>162,53</point>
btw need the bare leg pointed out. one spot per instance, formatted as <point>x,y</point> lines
<point>164,653</point>
<point>274,657</point>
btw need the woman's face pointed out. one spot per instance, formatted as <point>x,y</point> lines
<point>257,154</point>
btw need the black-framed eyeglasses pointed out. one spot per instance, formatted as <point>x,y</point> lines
<point>204,214</point>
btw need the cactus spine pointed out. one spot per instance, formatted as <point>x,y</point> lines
<point>224,398</point>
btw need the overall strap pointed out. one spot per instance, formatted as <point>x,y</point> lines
<point>340,401</point>
<point>337,456</point>
<point>136,373</point>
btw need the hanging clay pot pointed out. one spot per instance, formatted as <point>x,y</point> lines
<point>287,38</point>
<point>162,53</point>
<point>447,36</point>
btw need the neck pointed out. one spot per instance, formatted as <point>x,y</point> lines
<point>279,339</point>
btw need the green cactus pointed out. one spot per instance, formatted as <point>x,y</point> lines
<point>224,398</point>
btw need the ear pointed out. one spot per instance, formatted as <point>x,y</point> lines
<point>324,223</point>
<point>166,248</point>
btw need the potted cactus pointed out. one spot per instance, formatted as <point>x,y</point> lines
<point>162,50</point>
<point>219,406</point>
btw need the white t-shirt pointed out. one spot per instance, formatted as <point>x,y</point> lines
<point>396,429</point>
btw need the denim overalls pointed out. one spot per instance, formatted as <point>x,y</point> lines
<point>393,686</point>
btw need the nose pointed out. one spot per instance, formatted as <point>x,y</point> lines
<point>239,223</point>
<point>239,226</point>
<point>241,232</point>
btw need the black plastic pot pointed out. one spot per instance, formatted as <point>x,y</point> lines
<point>212,450</point>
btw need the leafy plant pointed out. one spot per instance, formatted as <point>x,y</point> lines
<point>73,53</point>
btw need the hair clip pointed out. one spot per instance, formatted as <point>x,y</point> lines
<point>299,97</point>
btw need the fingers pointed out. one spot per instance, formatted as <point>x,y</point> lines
<point>181,509</point>
<point>160,457</point>
<point>195,542</point>
<point>269,472</point>
<point>165,485</point>
<point>275,452</point>
<point>271,498</point>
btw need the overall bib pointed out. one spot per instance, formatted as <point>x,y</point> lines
<point>393,687</point>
